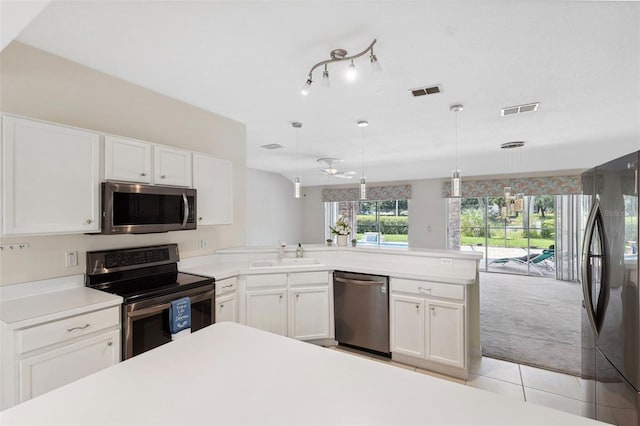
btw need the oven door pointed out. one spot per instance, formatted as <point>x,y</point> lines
<point>146,323</point>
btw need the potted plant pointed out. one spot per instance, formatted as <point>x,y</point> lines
<point>354,242</point>
<point>329,241</point>
<point>341,230</point>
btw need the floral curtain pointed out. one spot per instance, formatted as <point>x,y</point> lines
<point>374,193</point>
<point>554,185</point>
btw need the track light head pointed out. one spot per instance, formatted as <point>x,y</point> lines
<point>306,88</point>
<point>352,74</point>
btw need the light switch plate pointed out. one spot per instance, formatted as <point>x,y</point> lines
<point>71,258</point>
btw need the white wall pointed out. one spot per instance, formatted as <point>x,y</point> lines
<point>427,215</point>
<point>273,214</point>
<point>37,84</point>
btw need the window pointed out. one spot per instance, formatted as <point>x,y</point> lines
<point>374,223</point>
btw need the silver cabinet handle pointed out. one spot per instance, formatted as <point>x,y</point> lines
<point>428,290</point>
<point>89,221</point>
<point>433,309</point>
<point>230,285</point>
<point>418,308</point>
<point>297,296</point>
<point>221,306</point>
<point>109,343</point>
<point>163,176</point>
<point>69,330</point>
<point>143,174</point>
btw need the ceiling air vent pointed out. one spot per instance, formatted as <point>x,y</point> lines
<point>272,146</point>
<point>519,109</point>
<point>422,91</point>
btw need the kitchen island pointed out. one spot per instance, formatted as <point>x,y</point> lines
<point>229,374</point>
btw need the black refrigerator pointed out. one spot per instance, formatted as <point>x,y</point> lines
<point>611,301</point>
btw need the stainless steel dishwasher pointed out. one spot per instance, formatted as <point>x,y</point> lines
<point>361,306</point>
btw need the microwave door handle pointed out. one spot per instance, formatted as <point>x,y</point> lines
<point>186,209</point>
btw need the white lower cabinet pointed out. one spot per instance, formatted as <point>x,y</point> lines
<point>227,308</point>
<point>50,370</point>
<point>226,300</point>
<point>310,313</point>
<point>44,356</point>
<point>426,327</point>
<point>298,305</point>
<point>267,310</point>
<point>445,333</point>
<point>408,319</point>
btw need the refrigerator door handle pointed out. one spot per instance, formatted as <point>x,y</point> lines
<point>586,262</point>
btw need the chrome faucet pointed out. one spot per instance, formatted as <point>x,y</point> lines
<point>281,250</point>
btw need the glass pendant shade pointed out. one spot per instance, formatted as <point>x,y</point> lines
<point>325,78</point>
<point>306,88</point>
<point>363,188</point>
<point>519,202</point>
<point>507,193</point>
<point>351,72</point>
<point>296,187</point>
<point>456,184</point>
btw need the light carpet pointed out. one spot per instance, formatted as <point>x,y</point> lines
<point>531,320</point>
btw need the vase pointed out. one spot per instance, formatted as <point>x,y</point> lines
<point>342,240</point>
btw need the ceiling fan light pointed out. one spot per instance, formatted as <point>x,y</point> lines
<point>306,88</point>
<point>375,65</point>
<point>325,77</point>
<point>352,74</point>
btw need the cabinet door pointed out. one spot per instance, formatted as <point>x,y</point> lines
<point>127,159</point>
<point>310,313</point>
<point>227,308</point>
<point>267,310</point>
<point>50,178</point>
<point>171,166</point>
<point>445,333</point>
<point>213,178</point>
<point>407,325</point>
<point>49,370</point>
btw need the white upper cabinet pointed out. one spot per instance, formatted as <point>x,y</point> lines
<point>127,159</point>
<point>171,166</point>
<point>50,178</point>
<point>213,179</point>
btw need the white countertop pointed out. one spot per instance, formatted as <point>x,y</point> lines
<point>416,265</point>
<point>36,309</point>
<point>229,374</point>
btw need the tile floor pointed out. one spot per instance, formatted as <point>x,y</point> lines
<point>537,386</point>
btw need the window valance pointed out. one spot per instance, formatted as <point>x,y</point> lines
<point>374,193</point>
<point>554,185</point>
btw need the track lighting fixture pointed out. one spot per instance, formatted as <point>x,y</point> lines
<point>338,55</point>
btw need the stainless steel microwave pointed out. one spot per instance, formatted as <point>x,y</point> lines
<point>129,208</point>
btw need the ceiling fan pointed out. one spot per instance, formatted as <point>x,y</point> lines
<point>332,171</point>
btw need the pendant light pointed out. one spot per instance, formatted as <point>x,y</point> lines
<point>363,182</point>
<point>513,201</point>
<point>296,182</point>
<point>456,183</point>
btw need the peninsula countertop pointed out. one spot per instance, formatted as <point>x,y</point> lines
<point>229,374</point>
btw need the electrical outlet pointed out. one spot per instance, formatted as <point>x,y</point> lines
<point>203,244</point>
<point>71,258</point>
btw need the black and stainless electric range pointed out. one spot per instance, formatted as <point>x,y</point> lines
<point>148,280</point>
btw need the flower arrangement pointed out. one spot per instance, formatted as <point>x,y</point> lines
<point>342,227</point>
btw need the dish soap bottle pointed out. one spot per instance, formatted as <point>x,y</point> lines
<point>299,251</point>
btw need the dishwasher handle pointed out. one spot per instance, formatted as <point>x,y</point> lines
<point>359,282</point>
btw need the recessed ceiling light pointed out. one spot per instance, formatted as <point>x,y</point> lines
<point>272,146</point>
<point>519,109</point>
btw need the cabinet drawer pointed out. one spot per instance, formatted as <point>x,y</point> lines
<point>67,329</point>
<point>226,286</point>
<point>267,280</point>
<point>426,288</point>
<point>321,277</point>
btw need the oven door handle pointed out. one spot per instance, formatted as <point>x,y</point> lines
<point>158,308</point>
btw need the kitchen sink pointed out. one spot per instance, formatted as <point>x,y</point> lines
<point>273,263</point>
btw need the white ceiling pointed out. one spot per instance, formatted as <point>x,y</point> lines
<point>248,60</point>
